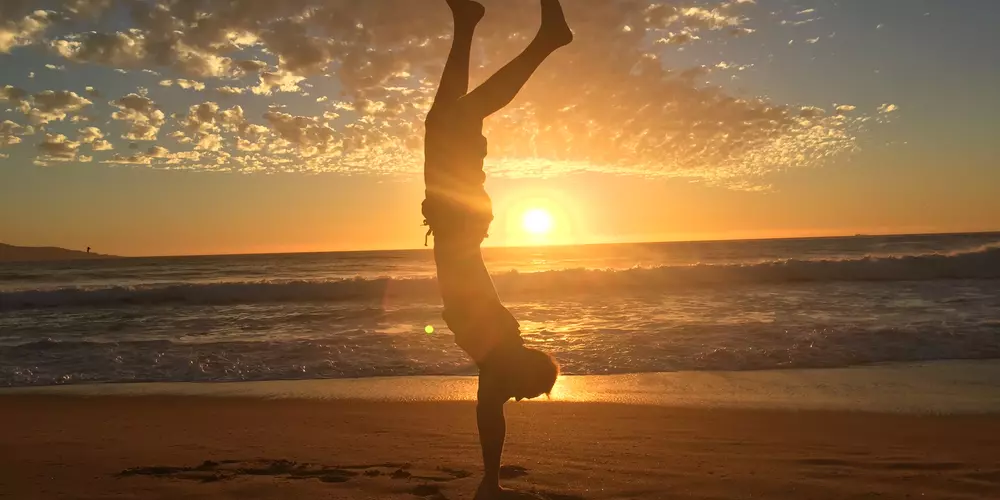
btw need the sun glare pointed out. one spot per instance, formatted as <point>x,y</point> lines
<point>537,221</point>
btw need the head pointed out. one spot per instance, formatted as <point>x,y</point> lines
<point>532,374</point>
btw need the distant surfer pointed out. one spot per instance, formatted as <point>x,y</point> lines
<point>458,212</point>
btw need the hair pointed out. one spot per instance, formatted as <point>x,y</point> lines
<point>533,373</point>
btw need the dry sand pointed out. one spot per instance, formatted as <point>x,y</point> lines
<point>163,447</point>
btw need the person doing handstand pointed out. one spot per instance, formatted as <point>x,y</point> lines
<point>458,212</point>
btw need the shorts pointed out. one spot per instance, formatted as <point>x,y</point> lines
<point>452,223</point>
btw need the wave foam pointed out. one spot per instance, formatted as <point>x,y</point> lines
<point>979,263</point>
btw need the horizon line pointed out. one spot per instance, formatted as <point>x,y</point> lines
<point>486,247</point>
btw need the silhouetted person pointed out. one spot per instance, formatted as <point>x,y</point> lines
<point>459,212</point>
<point>88,249</point>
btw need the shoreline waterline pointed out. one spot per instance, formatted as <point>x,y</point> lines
<point>936,387</point>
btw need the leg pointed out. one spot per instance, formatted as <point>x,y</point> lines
<point>455,80</point>
<point>492,433</point>
<point>500,89</point>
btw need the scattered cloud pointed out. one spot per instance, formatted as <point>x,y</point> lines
<point>143,115</point>
<point>16,96</point>
<point>184,84</point>
<point>277,82</point>
<point>666,122</point>
<point>158,152</point>
<point>310,136</point>
<point>679,38</point>
<point>95,138</point>
<point>134,159</point>
<point>811,112</point>
<point>55,105</point>
<point>227,90</point>
<point>56,147</point>
<point>25,31</point>
<point>10,133</point>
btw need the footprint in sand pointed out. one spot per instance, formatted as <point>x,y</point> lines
<point>512,471</point>
<point>429,487</point>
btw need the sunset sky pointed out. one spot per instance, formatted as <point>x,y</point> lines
<point>195,127</point>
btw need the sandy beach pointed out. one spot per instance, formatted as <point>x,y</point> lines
<point>170,447</point>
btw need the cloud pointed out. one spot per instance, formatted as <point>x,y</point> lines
<point>134,159</point>
<point>800,22</point>
<point>383,59</point>
<point>310,136</point>
<point>94,137</point>
<point>811,112</point>
<point>10,133</point>
<point>679,38</point>
<point>250,66</point>
<point>136,47</point>
<point>16,96</point>
<point>121,49</point>
<point>52,105</point>
<point>90,134</point>
<point>887,108</point>
<point>708,19</point>
<point>158,152</point>
<point>184,84</point>
<point>22,32</point>
<point>56,147</point>
<point>281,82</point>
<point>143,114</point>
<point>230,91</point>
<point>87,8</point>
<point>845,108</point>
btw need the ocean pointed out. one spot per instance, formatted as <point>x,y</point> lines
<point>604,309</point>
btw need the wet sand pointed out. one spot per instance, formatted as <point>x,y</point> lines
<point>172,447</point>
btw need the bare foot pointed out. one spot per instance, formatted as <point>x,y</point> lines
<point>554,31</point>
<point>467,12</point>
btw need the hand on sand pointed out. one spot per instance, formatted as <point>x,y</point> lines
<point>555,30</point>
<point>467,12</point>
<point>495,492</point>
<point>489,491</point>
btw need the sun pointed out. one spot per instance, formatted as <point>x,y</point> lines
<point>537,221</point>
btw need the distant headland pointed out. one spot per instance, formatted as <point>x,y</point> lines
<point>11,253</point>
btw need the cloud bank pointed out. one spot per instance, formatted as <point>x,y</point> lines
<point>343,86</point>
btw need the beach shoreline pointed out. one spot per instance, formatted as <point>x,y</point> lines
<point>170,447</point>
<point>933,387</point>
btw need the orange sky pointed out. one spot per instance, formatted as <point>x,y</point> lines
<point>717,121</point>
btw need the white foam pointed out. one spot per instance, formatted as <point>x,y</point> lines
<point>978,263</point>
